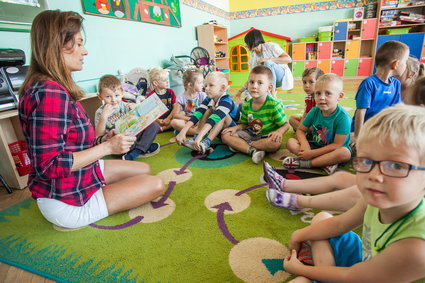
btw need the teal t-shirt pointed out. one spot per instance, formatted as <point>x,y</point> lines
<point>324,128</point>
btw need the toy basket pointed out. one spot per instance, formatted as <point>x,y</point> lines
<point>20,157</point>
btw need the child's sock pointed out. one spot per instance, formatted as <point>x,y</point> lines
<point>305,163</point>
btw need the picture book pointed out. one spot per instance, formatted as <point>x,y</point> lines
<point>144,114</point>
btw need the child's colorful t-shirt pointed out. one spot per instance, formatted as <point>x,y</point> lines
<point>271,114</point>
<point>120,111</point>
<point>168,98</point>
<point>190,105</point>
<point>309,103</point>
<point>324,128</point>
<point>375,95</point>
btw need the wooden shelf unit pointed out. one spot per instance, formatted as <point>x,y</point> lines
<point>214,39</point>
<point>355,41</point>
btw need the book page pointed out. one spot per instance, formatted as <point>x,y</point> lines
<point>142,116</point>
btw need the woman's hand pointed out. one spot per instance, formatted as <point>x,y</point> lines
<point>119,143</point>
<point>262,60</point>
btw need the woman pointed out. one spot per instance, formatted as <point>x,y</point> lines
<point>271,55</point>
<point>73,188</point>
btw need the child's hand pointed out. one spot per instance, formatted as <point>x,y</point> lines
<point>353,142</point>
<point>291,262</point>
<point>160,122</point>
<point>306,154</point>
<point>230,130</point>
<point>275,137</point>
<point>131,105</point>
<point>108,109</point>
<point>197,143</point>
<point>180,138</point>
<point>166,122</point>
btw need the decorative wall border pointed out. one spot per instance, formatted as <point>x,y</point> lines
<point>275,11</point>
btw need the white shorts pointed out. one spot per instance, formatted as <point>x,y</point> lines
<point>69,216</point>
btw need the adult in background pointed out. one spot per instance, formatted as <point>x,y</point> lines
<point>73,188</point>
<point>271,55</point>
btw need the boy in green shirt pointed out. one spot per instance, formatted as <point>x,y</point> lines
<point>263,121</point>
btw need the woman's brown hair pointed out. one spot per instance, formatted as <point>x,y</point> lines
<point>51,32</point>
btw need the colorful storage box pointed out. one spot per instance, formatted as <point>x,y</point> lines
<point>307,39</point>
<point>325,38</point>
<point>398,30</point>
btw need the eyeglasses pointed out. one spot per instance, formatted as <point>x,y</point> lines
<point>386,167</point>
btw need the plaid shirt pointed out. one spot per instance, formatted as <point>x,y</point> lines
<point>55,126</point>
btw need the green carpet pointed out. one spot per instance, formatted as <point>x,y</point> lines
<point>212,225</point>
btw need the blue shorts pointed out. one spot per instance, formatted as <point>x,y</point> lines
<point>347,249</point>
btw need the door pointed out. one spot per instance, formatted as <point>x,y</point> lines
<point>352,49</point>
<point>324,50</point>
<point>340,30</point>
<point>364,68</point>
<point>324,65</point>
<point>369,28</point>
<point>350,68</point>
<point>297,68</point>
<point>298,51</point>
<point>337,67</point>
<point>414,41</point>
<point>310,64</point>
<point>423,53</point>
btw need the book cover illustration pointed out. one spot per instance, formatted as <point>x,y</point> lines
<point>144,114</point>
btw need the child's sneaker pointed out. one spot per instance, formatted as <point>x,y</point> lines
<point>152,150</point>
<point>282,199</point>
<point>189,143</point>
<point>330,169</point>
<point>257,156</point>
<point>272,177</point>
<point>291,162</point>
<point>132,154</point>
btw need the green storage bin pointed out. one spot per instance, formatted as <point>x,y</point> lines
<point>398,30</point>
<point>307,39</point>
<point>325,38</point>
<point>325,34</point>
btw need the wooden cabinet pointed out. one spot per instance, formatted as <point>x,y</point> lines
<point>415,41</point>
<point>214,39</point>
<point>353,42</point>
<point>10,131</point>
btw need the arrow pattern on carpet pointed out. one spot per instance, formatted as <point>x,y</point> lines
<point>183,169</point>
<point>250,189</point>
<point>127,224</point>
<point>273,265</point>
<point>161,201</point>
<point>221,208</point>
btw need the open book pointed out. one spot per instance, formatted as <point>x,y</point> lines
<point>142,116</point>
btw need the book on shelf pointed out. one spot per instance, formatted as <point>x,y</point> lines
<point>142,116</point>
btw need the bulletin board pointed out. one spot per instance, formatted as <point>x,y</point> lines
<point>17,15</point>
<point>161,12</point>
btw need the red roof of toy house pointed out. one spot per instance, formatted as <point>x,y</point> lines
<point>263,32</point>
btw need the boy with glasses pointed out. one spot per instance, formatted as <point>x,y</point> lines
<point>391,178</point>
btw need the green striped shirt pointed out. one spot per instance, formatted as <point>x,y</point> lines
<point>272,114</point>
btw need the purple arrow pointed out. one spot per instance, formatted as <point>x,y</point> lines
<point>183,169</point>
<point>221,208</point>
<point>161,202</point>
<point>170,143</point>
<point>133,221</point>
<point>250,189</point>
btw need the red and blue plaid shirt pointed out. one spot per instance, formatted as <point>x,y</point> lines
<point>55,126</point>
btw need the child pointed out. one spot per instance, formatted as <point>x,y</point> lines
<point>111,93</point>
<point>158,79</point>
<point>391,178</point>
<point>414,70</point>
<point>217,111</point>
<point>335,192</point>
<point>380,90</point>
<point>193,82</point>
<point>309,78</point>
<point>263,121</point>
<point>330,130</point>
